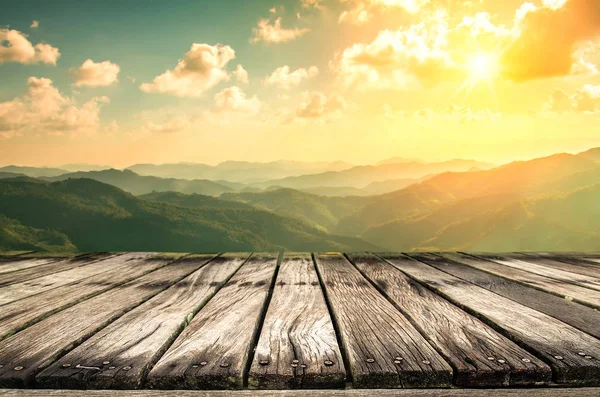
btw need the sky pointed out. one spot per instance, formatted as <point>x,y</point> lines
<point>123,82</point>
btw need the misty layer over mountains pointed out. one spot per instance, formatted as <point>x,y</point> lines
<point>542,204</point>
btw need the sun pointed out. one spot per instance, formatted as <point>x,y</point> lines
<point>482,67</point>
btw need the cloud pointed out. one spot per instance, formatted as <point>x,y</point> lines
<point>274,33</point>
<point>202,67</point>
<point>361,11</point>
<point>585,99</point>
<point>44,109</point>
<point>312,4</point>
<point>241,74</point>
<point>173,125</point>
<point>233,99</point>
<point>94,74</point>
<point>546,38</point>
<point>316,105</point>
<point>14,47</point>
<point>401,58</point>
<point>35,24</point>
<point>283,78</point>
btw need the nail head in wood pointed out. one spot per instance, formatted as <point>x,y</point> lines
<point>397,361</point>
<point>588,357</point>
<point>502,361</point>
<point>105,362</point>
<point>328,363</point>
<point>295,361</point>
<point>126,368</point>
<point>294,365</point>
<point>398,358</point>
<point>263,362</point>
<point>203,363</point>
<point>302,365</point>
<point>582,353</point>
<point>491,358</point>
<point>426,362</point>
<point>526,360</point>
<point>559,357</point>
<point>18,368</point>
<point>370,360</point>
<point>66,365</point>
<point>224,365</point>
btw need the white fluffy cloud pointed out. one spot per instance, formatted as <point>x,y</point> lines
<point>398,58</point>
<point>34,24</point>
<point>585,99</point>
<point>361,11</point>
<point>316,105</point>
<point>283,78</point>
<point>15,47</point>
<point>43,109</point>
<point>94,74</point>
<point>233,99</point>
<point>241,74</point>
<point>274,33</point>
<point>202,67</point>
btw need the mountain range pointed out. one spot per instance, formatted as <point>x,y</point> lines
<point>541,204</point>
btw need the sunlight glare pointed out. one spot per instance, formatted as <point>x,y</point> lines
<point>481,67</point>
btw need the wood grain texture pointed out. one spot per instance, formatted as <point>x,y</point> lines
<point>374,333</point>
<point>590,271</point>
<point>521,392</point>
<point>297,336</point>
<point>554,273</point>
<point>555,342</point>
<point>564,290</point>
<point>20,314</point>
<point>9,265</point>
<point>50,268</point>
<point>138,338</point>
<point>479,355</point>
<point>581,317</point>
<point>213,351</point>
<point>581,259</point>
<point>26,353</point>
<point>17,291</point>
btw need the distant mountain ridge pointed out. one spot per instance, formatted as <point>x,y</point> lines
<point>94,216</point>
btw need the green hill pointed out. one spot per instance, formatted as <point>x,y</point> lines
<point>99,217</point>
<point>194,200</point>
<point>137,184</point>
<point>324,212</point>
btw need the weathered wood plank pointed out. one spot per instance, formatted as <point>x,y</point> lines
<point>9,265</point>
<point>572,354</point>
<point>297,336</point>
<point>538,392</point>
<point>581,317</point>
<point>479,355</point>
<point>50,268</point>
<point>17,291</point>
<point>557,274</point>
<point>213,351</point>
<point>579,294</point>
<point>20,314</point>
<point>28,352</point>
<point>373,333</point>
<point>580,259</point>
<point>573,266</point>
<point>137,339</point>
